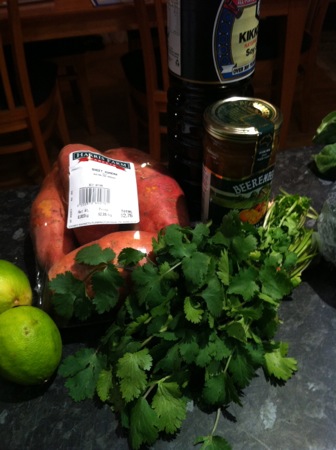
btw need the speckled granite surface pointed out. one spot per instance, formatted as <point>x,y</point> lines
<point>298,416</point>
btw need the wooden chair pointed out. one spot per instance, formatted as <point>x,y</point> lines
<point>70,55</point>
<point>308,66</point>
<point>146,70</point>
<point>269,58</point>
<point>30,104</point>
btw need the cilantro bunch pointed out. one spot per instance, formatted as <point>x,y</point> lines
<point>198,322</point>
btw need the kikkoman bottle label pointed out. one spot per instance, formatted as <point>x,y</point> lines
<point>212,41</point>
<point>235,39</point>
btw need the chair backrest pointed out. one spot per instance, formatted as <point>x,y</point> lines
<point>13,61</point>
<point>146,24</point>
<point>152,28</point>
<point>314,23</point>
<point>18,111</point>
<point>316,14</point>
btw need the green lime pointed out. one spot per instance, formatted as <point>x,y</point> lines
<point>31,345</point>
<point>15,288</point>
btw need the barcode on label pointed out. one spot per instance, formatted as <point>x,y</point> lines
<point>89,195</point>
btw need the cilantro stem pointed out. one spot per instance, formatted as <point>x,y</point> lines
<point>227,363</point>
<point>154,384</point>
<point>300,246</point>
<point>214,428</point>
<point>146,341</point>
<point>150,390</point>
<point>95,269</point>
<point>172,268</point>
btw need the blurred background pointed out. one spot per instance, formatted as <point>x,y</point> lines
<point>109,102</point>
<point>109,92</point>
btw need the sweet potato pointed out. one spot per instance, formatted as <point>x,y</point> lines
<point>50,236</point>
<point>117,241</point>
<point>161,200</point>
<point>63,162</point>
<point>87,233</point>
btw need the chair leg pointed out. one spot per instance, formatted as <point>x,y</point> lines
<point>39,145</point>
<point>305,96</point>
<point>61,120</point>
<point>84,89</point>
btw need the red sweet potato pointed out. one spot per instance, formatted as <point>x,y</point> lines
<point>63,162</point>
<point>117,241</point>
<point>87,233</point>
<point>50,236</point>
<point>161,200</point>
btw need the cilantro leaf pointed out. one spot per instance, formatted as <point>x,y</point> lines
<point>243,246</point>
<point>213,443</point>
<point>231,225</point>
<point>193,311</point>
<point>224,268</point>
<point>215,349</point>
<point>83,308</point>
<point>82,371</point>
<point>131,371</point>
<point>178,245</point>
<point>244,284</point>
<point>238,330</point>
<point>189,349</point>
<point>93,255</point>
<point>63,304</point>
<point>278,365</point>
<point>255,354</point>
<point>63,283</point>
<point>143,424</point>
<point>200,233</point>
<point>171,361</point>
<point>220,390</point>
<point>148,281</point>
<point>195,269</point>
<point>167,272</point>
<point>170,406</point>
<point>130,256</point>
<point>66,289</point>
<point>241,369</point>
<point>106,284</point>
<point>104,385</point>
<point>213,295</point>
<point>275,282</point>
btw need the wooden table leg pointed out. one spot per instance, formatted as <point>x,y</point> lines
<point>296,18</point>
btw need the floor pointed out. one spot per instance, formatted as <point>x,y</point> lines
<point>109,101</point>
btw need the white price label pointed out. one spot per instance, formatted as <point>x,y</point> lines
<point>102,190</point>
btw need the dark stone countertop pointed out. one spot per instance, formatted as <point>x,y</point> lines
<point>300,415</point>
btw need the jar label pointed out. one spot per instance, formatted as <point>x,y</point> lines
<point>249,195</point>
<point>213,41</point>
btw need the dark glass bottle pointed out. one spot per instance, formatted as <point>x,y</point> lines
<point>211,47</point>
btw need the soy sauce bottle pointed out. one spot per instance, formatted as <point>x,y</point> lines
<point>211,56</point>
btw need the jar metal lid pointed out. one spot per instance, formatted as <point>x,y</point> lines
<point>240,118</point>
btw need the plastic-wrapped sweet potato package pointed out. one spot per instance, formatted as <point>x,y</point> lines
<point>161,202</point>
